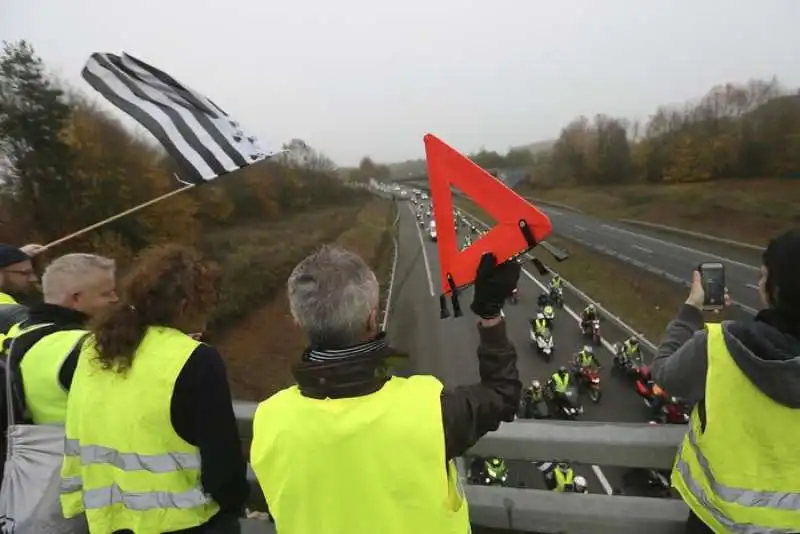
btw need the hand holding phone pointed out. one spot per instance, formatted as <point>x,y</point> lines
<point>712,275</point>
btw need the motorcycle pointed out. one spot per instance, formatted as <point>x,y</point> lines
<point>569,405</point>
<point>630,365</point>
<point>530,409</point>
<point>673,412</point>
<point>514,296</point>
<point>589,379</point>
<point>544,344</point>
<point>592,329</point>
<point>557,296</point>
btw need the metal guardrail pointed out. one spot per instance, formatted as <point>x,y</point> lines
<point>615,444</point>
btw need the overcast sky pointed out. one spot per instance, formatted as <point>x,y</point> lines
<point>356,77</point>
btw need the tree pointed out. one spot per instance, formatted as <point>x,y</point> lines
<point>32,115</point>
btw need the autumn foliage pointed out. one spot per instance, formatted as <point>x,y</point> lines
<point>65,163</point>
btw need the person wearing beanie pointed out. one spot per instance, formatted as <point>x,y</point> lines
<point>737,468</point>
<point>17,277</point>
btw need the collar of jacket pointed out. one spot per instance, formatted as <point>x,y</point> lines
<point>53,313</point>
<point>777,320</point>
<point>352,372</point>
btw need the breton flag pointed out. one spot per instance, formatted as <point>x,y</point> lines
<point>203,140</point>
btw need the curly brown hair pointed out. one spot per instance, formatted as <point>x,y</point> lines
<point>166,284</point>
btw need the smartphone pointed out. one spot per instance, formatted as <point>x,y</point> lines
<point>713,277</point>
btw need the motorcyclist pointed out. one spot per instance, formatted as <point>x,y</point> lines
<point>496,468</point>
<point>535,391</point>
<point>549,315</point>
<point>630,347</point>
<point>540,325</point>
<point>586,358</point>
<point>559,381</point>
<point>555,282</point>
<point>561,478</point>
<point>543,300</point>
<point>588,315</point>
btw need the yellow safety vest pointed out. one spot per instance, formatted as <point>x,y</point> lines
<point>5,298</point>
<point>359,465</point>
<point>541,324</point>
<point>740,474</point>
<point>45,397</point>
<point>561,383</point>
<point>563,480</point>
<point>124,464</point>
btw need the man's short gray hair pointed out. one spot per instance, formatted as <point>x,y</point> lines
<point>331,295</point>
<point>70,274</point>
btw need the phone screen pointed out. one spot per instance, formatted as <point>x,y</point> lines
<point>713,275</point>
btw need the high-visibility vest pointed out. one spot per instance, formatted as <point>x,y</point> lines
<point>740,475</point>
<point>45,397</point>
<point>5,298</point>
<point>564,479</point>
<point>359,465</point>
<point>124,464</point>
<point>561,382</point>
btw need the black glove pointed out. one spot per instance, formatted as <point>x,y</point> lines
<point>493,285</point>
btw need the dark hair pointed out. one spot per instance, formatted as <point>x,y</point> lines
<point>151,294</point>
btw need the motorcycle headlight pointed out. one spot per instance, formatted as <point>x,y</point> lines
<point>595,380</point>
<point>673,400</point>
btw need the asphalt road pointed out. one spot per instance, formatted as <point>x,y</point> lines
<point>446,347</point>
<point>654,252</point>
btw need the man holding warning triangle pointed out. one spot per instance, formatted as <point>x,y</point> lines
<point>352,449</point>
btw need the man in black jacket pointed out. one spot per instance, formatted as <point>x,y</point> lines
<point>334,297</point>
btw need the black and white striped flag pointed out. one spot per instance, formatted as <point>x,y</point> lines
<point>204,140</point>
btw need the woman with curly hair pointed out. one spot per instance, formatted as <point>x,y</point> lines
<point>152,443</point>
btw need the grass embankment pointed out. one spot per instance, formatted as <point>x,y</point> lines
<point>259,339</point>
<point>743,210</point>
<point>645,301</point>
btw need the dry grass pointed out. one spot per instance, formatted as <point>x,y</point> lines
<point>261,347</point>
<point>743,210</point>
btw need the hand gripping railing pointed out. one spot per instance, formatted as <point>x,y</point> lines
<point>607,444</point>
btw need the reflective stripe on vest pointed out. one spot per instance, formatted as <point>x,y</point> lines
<point>734,474</point>
<point>124,465</point>
<point>358,465</point>
<point>564,479</point>
<point>40,368</point>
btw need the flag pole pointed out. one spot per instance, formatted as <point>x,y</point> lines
<point>134,209</point>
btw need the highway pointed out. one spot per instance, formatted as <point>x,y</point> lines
<point>652,251</point>
<point>446,347</point>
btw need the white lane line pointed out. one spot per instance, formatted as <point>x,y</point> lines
<point>424,255</point>
<point>643,249</point>
<point>580,228</point>
<point>551,211</point>
<point>751,286</point>
<point>681,247</point>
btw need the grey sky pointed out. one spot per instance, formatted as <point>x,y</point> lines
<point>356,77</point>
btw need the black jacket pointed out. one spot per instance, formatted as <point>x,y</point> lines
<point>468,412</point>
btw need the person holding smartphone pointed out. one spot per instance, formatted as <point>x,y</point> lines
<point>738,467</point>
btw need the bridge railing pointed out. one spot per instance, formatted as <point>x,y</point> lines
<point>632,445</point>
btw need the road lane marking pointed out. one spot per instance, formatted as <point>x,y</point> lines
<point>681,247</point>
<point>751,286</point>
<point>643,249</point>
<point>580,228</point>
<point>424,255</point>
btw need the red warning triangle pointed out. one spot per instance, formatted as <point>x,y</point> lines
<point>447,167</point>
